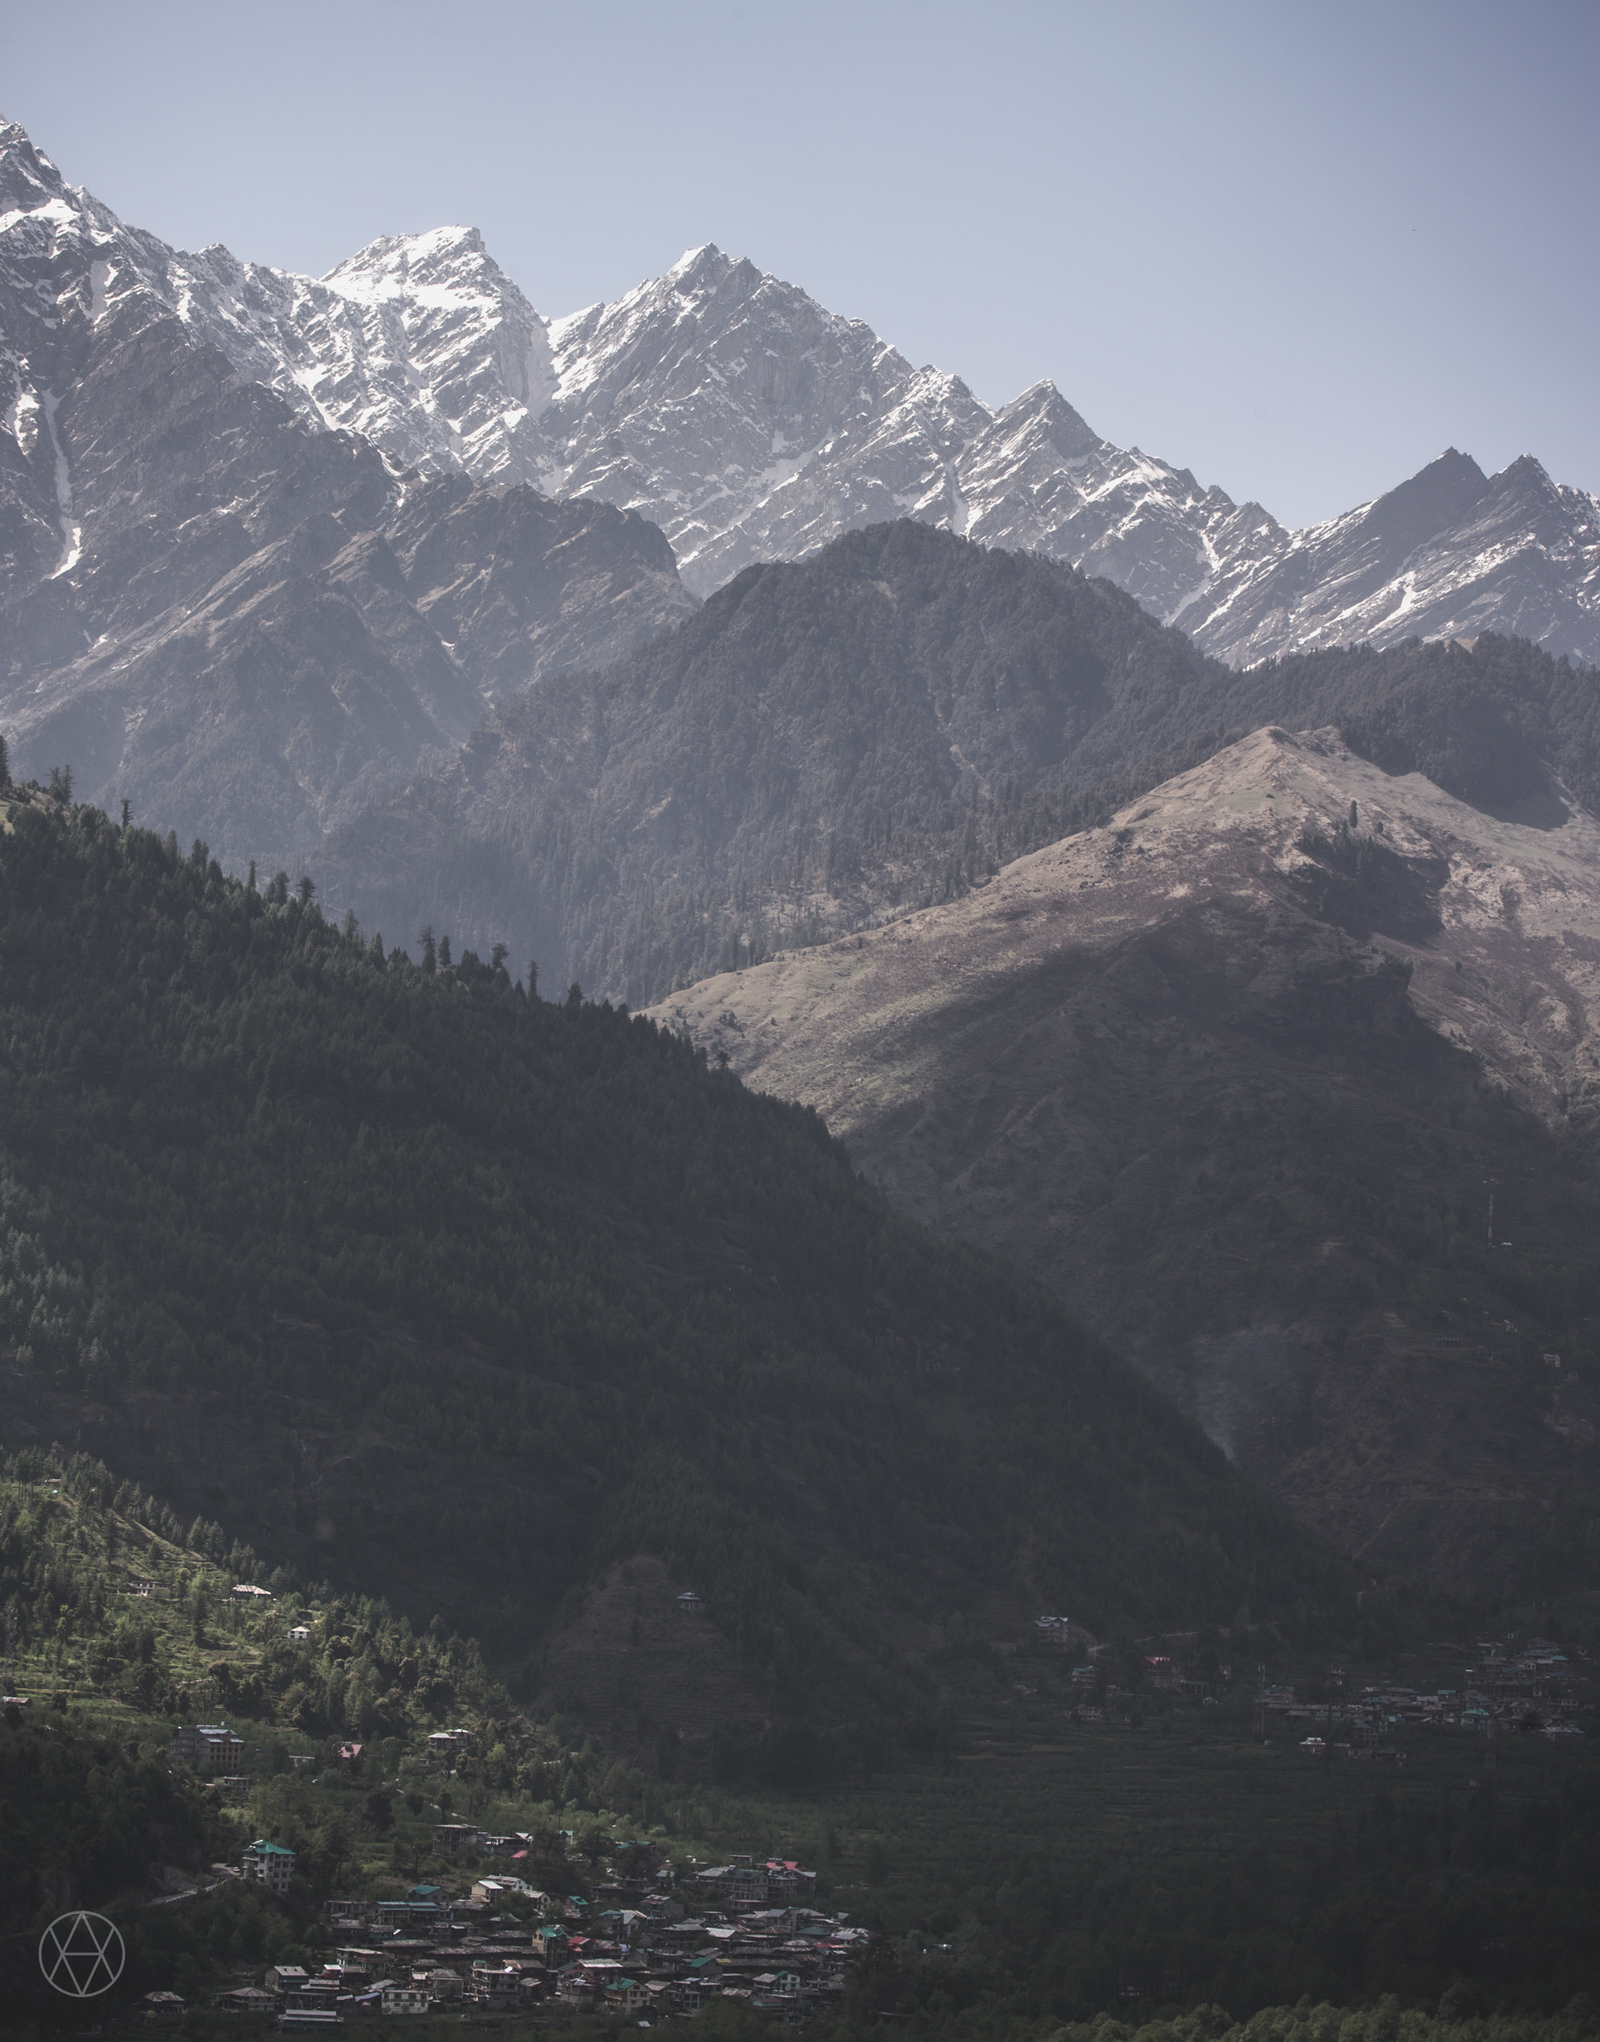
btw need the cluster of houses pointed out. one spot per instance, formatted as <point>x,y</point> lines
<point>1520,1688</point>
<point>645,1947</point>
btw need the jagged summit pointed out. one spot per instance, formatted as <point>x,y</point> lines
<point>748,421</point>
<point>218,608</point>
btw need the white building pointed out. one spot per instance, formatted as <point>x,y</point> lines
<point>269,1864</point>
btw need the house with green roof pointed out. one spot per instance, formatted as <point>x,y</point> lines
<point>269,1864</point>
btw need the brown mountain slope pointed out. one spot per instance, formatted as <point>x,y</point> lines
<point>1235,1075</point>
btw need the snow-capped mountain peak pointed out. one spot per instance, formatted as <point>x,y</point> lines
<point>749,422</point>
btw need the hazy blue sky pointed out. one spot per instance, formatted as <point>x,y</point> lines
<point>1297,248</point>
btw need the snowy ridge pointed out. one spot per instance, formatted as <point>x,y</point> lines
<point>751,423</point>
<point>212,605</point>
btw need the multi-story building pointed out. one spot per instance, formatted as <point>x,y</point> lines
<point>269,1864</point>
<point>211,1746</point>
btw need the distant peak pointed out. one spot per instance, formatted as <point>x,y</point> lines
<point>706,256</point>
<point>1070,430</point>
<point>1428,503</point>
<point>397,254</point>
<point>1526,467</point>
<point>1453,460</point>
<point>16,143</point>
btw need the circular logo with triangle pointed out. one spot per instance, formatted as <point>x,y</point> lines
<point>82,1954</point>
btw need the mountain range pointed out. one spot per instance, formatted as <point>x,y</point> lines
<point>750,423</point>
<point>717,402</point>
<point>467,610</point>
<point>834,741</point>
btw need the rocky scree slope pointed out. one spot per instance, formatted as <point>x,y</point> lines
<point>467,1299</point>
<point>750,422</point>
<point>1236,1072</point>
<point>247,626</point>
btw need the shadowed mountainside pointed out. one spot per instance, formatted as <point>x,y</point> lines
<point>1236,1074</point>
<point>876,728</point>
<point>466,1298</point>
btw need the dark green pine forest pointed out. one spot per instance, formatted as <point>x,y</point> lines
<point>459,1296</point>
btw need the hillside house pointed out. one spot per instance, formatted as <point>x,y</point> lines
<point>416,1916</point>
<point>213,1747</point>
<point>269,1864</point>
<point>743,1883</point>
<point>494,1985</point>
<point>450,1839</point>
<point>406,1999</point>
<point>789,1882</point>
<point>246,1999</point>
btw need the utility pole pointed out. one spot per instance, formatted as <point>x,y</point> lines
<point>11,1635</point>
<point>1491,1182</point>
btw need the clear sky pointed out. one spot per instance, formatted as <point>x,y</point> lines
<point>1299,248</point>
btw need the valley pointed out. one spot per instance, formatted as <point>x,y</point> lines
<point>1203,1853</point>
<point>755,1115</point>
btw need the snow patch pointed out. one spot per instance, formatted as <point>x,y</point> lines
<point>71,531</point>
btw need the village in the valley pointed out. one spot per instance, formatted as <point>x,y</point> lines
<point>1522,1687</point>
<point>649,1943</point>
<point>656,1938</point>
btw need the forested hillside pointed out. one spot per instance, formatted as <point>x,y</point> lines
<point>873,729</point>
<point>1158,1860</point>
<point>418,1283</point>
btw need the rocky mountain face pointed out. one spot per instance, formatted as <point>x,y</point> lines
<point>1450,553</point>
<point>750,423</point>
<point>244,623</point>
<point>1238,1073</point>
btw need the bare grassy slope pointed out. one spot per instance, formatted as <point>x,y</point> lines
<point>1232,1074</point>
